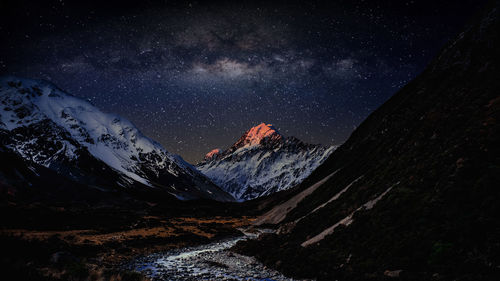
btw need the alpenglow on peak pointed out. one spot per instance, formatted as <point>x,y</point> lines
<point>256,134</point>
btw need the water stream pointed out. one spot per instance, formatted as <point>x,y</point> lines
<point>206,262</point>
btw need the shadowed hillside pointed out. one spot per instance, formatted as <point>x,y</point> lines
<point>413,192</point>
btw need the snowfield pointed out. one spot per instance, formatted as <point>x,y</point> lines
<point>262,162</point>
<point>40,117</point>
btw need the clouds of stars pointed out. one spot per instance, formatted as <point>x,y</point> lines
<point>196,76</point>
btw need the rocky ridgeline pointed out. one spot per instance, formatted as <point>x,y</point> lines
<point>262,162</point>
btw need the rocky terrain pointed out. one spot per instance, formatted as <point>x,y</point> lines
<point>48,127</point>
<point>262,162</point>
<point>212,261</point>
<point>88,244</point>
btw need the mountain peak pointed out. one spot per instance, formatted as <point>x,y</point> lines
<point>262,162</point>
<point>257,134</point>
<point>52,128</point>
<point>212,154</point>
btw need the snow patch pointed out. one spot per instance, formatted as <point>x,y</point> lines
<point>347,220</point>
<point>247,170</point>
<point>279,213</point>
<point>77,125</point>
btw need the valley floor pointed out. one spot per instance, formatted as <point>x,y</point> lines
<point>99,253</point>
<point>213,261</point>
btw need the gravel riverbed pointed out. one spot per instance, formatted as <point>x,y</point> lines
<point>212,261</point>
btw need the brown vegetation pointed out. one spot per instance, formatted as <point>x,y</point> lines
<point>95,254</point>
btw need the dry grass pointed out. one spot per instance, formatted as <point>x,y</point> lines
<point>173,227</point>
<point>104,249</point>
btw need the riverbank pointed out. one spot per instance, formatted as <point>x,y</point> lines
<point>96,253</point>
<point>213,261</point>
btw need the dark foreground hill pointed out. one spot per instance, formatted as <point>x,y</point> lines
<point>414,192</point>
<point>55,228</point>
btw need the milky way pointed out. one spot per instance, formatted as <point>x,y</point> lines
<point>195,76</point>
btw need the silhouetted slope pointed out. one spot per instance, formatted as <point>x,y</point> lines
<point>416,186</point>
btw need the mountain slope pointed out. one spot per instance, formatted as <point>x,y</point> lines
<point>51,128</point>
<point>413,192</point>
<point>262,162</point>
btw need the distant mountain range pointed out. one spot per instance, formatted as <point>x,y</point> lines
<point>262,162</point>
<point>48,127</point>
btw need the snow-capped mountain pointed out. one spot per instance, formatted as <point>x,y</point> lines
<point>262,162</point>
<point>52,128</point>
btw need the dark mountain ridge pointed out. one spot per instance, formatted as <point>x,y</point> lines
<point>413,191</point>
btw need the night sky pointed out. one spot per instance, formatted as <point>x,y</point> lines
<point>195,76</point>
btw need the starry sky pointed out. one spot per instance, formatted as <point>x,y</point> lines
<point>196,75</point>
